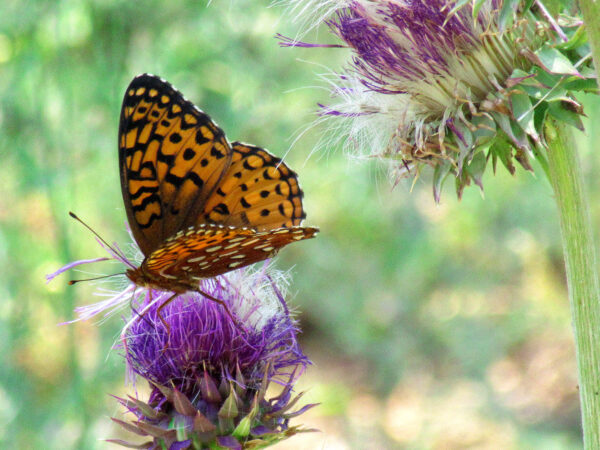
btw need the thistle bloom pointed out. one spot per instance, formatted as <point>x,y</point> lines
<point>432,82</point>
<point>209,374</point>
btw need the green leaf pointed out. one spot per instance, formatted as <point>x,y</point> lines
<point>464,141</point>
<point>156,431</point>
<point>209,389</point>
<point>527,5</point>
<point>522,110</point>
<point>145,408</point>
<point>582,85</point>
<point>129,427</point>
<point>539,117</point>
<point>502,149</point>
<point>441,171</point>
<point>554,61</point>
<point>514,133</point>
<point>243,428</point>
<point>229,410</point>
<point>549,80</point>
<point>485,132</point>
<point>460,182</point>
<point>565,115</point>
<point>578,39</point>
<point>477,4</point>
<point>507,14</point>
<point>476,168</point>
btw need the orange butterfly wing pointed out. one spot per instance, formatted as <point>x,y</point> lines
<point>210,250</point>
<point>258,190</point>
<point>171,157</point>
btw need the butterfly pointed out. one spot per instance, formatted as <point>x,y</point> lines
<point>198,206</point>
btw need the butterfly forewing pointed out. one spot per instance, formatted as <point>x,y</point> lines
<point>258,190</point>
<point>209,250</point>
<point>198,206</point>
<point>171,156</point>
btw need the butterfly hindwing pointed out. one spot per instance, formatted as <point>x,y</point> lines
<point>171,155</point>
<point>258,190</point>
<point>209,250</point>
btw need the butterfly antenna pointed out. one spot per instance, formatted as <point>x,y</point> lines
<point>74,216</point>
<point>72,282</point>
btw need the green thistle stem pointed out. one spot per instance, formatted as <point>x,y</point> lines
<point>590,10</point>
<point>582,271</point>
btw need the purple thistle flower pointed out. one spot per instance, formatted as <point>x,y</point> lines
<point>205,368</point>
<point>434,82</point>
<point>191,333</point>
<point>208,372</point>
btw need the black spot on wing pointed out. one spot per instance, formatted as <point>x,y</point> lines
<point>188,154</point>
<point>195,178</point>
<point>154,198</point>
<point>222,208</point>
<point>174,179</point>
<point>153,217</point>
<point>141,191</point>
<point>200,138</point>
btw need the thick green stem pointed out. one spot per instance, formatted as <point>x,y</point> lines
<point>582,271</point>
<point>591,17</point>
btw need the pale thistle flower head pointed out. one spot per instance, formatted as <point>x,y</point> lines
<point>438,83</point>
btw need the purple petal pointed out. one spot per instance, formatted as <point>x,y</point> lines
<point>51,276</point>
<point>181,445</point>
<point>229,442</point>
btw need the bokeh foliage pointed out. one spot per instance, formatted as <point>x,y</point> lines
<point>430,326</point>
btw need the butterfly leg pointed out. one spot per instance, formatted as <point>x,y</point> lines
<point>141,315</point>
<point>162,319</point>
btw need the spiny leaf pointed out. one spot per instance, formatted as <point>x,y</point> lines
<point>132,427</point>
<point>145,408</point>
<point>553,61</point>
<point>123,443</point>
<point>202,424</point>
<point>209,389</point>
<point>229,410</point>
<point>182,404</point>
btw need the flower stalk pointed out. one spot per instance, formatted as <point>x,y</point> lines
<point>582,270</point>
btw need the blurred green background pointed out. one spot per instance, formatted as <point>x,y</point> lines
<point>430,326</point>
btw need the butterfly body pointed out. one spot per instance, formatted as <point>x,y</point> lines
<point>198,206</point>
